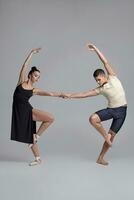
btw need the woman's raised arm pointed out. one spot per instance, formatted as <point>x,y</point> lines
<point>25,65</point>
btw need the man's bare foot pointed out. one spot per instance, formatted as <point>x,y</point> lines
<point>108,140</point>
<point>101,161</point>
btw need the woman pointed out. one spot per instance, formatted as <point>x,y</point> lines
<point>24,116</point>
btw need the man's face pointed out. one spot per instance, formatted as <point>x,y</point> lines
<point>101,79</point>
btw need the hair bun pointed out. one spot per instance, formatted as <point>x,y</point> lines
<point>33,68</point>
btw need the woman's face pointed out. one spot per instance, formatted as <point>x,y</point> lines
<point>34,77</point>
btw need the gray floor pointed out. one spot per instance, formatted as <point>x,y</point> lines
<point>67,177</point>
<point>69,170</point>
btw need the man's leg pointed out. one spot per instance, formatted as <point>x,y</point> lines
<point>104,150</point>
<point>117,123</point>
<point>96,122</point>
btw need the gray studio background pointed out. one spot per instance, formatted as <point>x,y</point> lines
<point>62,28</point>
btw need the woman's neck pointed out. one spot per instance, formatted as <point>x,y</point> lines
<point>29,83</point>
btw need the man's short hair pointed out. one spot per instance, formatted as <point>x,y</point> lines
<point>98,72</point>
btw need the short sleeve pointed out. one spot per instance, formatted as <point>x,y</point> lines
<point>98,90</point>
<point>112,77</point>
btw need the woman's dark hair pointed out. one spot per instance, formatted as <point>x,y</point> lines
<point>98,72</point>
<point>33,69</point>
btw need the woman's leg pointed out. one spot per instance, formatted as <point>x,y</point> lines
<point>35,150</point>
<point>36,153</point>
<point>46,119</point>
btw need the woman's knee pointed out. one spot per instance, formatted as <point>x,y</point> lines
<point>94,118</point>
<point>52,119</point>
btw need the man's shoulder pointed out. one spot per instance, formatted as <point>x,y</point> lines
<point>112,77</point>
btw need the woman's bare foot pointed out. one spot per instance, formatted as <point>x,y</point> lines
<point>102,161</point>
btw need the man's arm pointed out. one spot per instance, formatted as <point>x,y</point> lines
<point>80,95</point>
<point>107,66</point>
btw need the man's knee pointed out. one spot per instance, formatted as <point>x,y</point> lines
<point>112,133</point>
<point>94,118</point>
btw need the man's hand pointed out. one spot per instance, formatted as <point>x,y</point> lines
<point>67,95</point>
<point>91,47</point>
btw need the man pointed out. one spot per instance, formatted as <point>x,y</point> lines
<point>110,87</point>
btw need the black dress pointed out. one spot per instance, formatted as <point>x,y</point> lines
<point>22,126</point>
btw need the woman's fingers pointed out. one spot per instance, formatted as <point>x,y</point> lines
<point>36,50</point>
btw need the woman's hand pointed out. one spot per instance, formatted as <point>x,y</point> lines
<point>63,95</point>
<point>34,51</point>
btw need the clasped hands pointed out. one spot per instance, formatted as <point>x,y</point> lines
<point>65,95</point>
